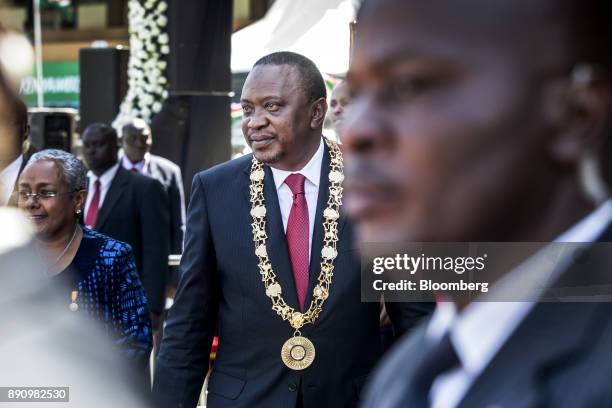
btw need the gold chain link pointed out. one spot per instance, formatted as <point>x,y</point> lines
<point>330,239</point>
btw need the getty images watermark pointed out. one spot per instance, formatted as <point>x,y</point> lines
<point>413,264</point>
<point>487,271</point>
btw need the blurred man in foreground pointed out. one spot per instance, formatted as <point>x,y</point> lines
<point>18,130</point>
<point>475,121</point>
<point>43,344</point>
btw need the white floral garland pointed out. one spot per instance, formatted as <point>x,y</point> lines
<point>149,42</point>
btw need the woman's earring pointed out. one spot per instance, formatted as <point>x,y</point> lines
<point>78,211</point>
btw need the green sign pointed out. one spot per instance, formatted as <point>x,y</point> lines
<point>61,82</point>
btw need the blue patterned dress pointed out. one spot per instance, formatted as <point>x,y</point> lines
<point>103,272</point>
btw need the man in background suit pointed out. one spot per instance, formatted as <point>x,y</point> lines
<point>483,121</point>
<point>221,277</point>
<point>128,207</point>
<point>136,140</point>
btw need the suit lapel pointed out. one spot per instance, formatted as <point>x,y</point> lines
<point>318,233</point>
<point>157,172</point>
<point>277,242</point>
<point>416,348</point>
<point>112,196</point>
<point>551,333</point>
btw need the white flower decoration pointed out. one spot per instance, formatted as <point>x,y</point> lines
<point>162,21</point>
<point>146,78</point>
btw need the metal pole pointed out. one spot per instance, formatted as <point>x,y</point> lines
<point>38,53</point>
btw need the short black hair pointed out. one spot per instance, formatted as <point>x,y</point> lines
<point>312,80</point>
<point>103,129</point>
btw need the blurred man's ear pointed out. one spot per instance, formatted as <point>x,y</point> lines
<point>318,110</point>
<point>579,109</point>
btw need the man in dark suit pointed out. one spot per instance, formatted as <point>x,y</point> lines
<point>483,121</point>
<point>300,337</point>
<point>128,207</point>
<point>136,140</point>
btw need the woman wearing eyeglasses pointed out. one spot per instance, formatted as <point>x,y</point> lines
<point>97,272</point>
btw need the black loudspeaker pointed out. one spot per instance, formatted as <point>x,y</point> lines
<point>170,128</point>
<point>209,137</point>
<point>200,41</point>
<point>103,83</point>
<point>52,128</point>
<point>193,127</point>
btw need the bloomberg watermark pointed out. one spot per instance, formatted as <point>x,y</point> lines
<point>487,271</point>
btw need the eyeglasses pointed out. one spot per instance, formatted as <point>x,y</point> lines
<point>41,195</point>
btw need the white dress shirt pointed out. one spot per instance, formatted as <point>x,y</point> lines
<point>482,328</point>
<point>105,182</point>
<point>143,166</point>
<point>312,173</point>
<point>8,178</point>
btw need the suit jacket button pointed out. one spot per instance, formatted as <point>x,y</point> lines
<point>292,387</point>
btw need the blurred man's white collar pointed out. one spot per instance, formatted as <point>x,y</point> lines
<point>483,327</point>
<point>531,270</point>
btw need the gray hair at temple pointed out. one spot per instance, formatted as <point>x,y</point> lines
<point>73,171</point>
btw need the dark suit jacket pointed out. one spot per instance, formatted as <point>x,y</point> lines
<point>169,175</point>
<point>221,287</point>
<point>559,356</point>
<point>135,210</point>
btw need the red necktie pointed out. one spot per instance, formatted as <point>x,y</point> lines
<point>297,236</point>
<point>92,213</point>
<point>135,169</point>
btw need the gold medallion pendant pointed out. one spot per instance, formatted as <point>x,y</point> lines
<point>298,353</point>
<point>74,305</point>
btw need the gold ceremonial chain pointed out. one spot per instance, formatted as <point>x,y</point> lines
<point>298,352</point>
